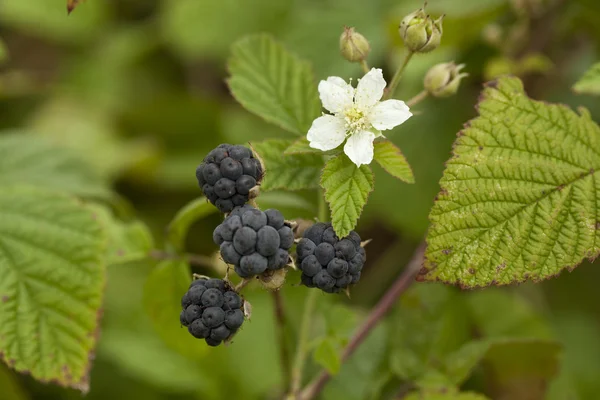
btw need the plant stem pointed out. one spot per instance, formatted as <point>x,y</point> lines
<point>302,350</point>
<point>280,322</point>
<point>398,75</point>
<point>242,284</point>
<point>377,313</point>
<point>417,99</point>
<point>365,66</point>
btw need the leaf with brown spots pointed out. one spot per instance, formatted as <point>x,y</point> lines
<point>520,197</point>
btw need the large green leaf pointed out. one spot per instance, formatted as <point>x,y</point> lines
<point>590,81</point>
<point>393,161</point>
<point>519,197</point>
<point>347,188</point>
<point>163,290</point>
<point>290,172</point>
<point>27,159</point>
<point>274,84</point>
<point>52,276</point>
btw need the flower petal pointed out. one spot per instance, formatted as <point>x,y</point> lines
<point>388,114</point>
<point>370,89</point>
<point>335,94</point>
<point>359,147</point>
<point>326,133</point>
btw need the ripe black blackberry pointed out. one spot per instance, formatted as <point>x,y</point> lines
<point>227,175</point>
<point>211,310</point>
<point>254,241</point>
<point>327,262</point>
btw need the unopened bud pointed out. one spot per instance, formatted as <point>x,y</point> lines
<point>442,80</point>
<point>420,33</point>
<point>354,46</point>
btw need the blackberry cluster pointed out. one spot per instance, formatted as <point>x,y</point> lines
<point>212,310</point>
<point>227,175</point>
<point>327,262</point>
<point>254,241</point>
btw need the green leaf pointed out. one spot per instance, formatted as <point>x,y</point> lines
<point>301,146</point>
<point>293,172</point>
<point>518,198</point>
<point>522,369</point>
<point>27,159</point>
<point>392,160</point>
<point>274,84</point>
<point>445,396</point>
<point>127,241</point>
<point>52,278</point>
<point>327,356</point>
<point>163,290</point>
<point>183,220</point>
<point>590,81</point>
<point>460,364</point>
<point>347,188</point>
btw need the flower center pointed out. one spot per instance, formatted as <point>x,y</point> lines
<point>355,119</point>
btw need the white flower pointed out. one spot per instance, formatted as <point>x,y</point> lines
<point>358,116</point>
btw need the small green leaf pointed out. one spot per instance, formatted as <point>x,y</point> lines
<point>293,172</point>
<point>347,188</point>
<point>163,290</point>
<point>127,241</point>
<point>31,160</point>
<point>460,364</point>
<point>392,160</point>
<point>518,198</point>
<point>52,278</point>
<point>327,356</point>
<point>590,81</point>
<point>183,220</point>
<point>273,83</point>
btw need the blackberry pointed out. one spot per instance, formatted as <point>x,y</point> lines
<point>211,310</point>
<point>328,262</point>
<point>227,175</point>
<point>254,241</point>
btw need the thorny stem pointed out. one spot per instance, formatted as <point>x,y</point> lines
<point>417,99</point>
<point>377,313</point>
<point>280,322</point>
<point>194,259</point>
<point>365,66</point>
<point>302,350</point>
<point>398,75</point>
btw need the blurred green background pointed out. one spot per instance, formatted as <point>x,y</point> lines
<point>137,88</point>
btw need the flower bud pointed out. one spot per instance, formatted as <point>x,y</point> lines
<point>354,46</point>
<point>442,80</point>
<point>420,33</point>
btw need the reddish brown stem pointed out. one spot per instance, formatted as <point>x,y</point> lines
<point>377,313</point>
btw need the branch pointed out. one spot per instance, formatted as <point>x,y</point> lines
<point>377,313</point>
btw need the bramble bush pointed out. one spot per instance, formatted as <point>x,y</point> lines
<point>293,275</point>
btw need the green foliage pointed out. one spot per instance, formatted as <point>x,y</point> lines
<point>392,160</point>
<point>274,84</point>
<point>347,188</point>
<point>26,159</point>
<point>184,219</point>
<point>301,146</point>
<point>327,355</point>
<point>289,172</point>
<point>127,241</point>
<point>445,396</point>
<point>518,196</point>
<point>590,81</point>
<point>52,276</point>
<point>163,290</point>
<point>3,52</point>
